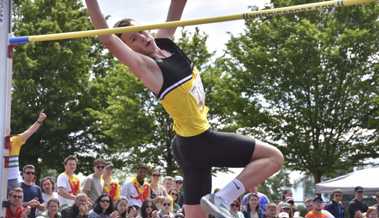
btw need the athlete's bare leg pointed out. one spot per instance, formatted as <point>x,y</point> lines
<point>194,211</point>
<point>265,161</point>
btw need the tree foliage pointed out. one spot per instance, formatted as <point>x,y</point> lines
<point>54,77</point>
<point>274,186</point>
<point>315,76</point>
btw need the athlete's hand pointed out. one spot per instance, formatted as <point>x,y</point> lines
<point>41,117</point>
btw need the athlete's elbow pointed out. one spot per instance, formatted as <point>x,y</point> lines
<point>106,40</point>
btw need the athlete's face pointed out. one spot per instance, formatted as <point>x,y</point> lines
<point>142,41</point>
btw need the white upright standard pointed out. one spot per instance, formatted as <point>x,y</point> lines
<point>5,94</point>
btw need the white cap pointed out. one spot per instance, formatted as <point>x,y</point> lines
<point>283,215</point>
<point>178,178</point>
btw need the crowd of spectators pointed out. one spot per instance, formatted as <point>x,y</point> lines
<point>148,194</point>
<point>99,195</point>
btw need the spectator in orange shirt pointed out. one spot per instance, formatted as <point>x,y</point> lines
<point>317,211</point>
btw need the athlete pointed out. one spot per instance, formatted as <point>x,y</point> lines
<point>167,72</point>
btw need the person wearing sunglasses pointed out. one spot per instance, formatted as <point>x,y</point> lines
<point>174,194</point>
<point>32,192</point>
<point>357,206</point>
<point>103,208</point>
<point>179,188</point>
<point>235,209</point>
<point>93,184</point>
<point>15,208</point>
<point>167,209</point>
<point>156,189</point>
<point>336,207</point>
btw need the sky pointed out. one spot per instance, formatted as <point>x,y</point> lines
<point>155,11</point>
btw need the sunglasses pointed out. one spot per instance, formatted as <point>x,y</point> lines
<point>17,196</point>
<point>156,175</point>
<point>179,182</point>
<point>166,204</point>
<point>100,167</point>
<point>29,173</point>
<point>105,201</point>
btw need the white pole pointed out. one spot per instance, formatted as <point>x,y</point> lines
<point>5,93</point>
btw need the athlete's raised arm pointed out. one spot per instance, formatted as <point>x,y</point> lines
<point>115,45</point>
<point>131,49</point>
<point>174,13</point>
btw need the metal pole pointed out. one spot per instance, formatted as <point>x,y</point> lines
<point>5,94</point>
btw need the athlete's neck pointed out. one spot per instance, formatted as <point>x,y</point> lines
<point>160,53</point>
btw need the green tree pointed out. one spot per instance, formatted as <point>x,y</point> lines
<point>274,186</point>
<point>54,77</point>
<point>312,77</point>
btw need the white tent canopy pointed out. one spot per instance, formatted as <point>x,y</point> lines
<point>367,178</point>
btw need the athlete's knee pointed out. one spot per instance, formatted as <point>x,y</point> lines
<point>277,158</point>
<point>270,152</point>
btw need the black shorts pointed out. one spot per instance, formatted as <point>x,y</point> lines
<point>196,156</point>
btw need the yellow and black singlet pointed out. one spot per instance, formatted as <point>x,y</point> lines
<point>182,93</point>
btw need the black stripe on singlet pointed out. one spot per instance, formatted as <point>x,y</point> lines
<point>176,69</point>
